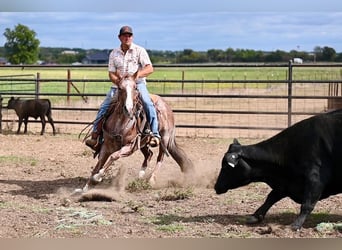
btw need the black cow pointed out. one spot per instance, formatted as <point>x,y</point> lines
<point>303,162</point>
<point>32,108</point>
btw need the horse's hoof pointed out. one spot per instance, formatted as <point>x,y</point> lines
<point>77,191</point>
<point>141,174</point>
<point>96,178</point>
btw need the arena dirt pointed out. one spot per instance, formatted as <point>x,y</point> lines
<point>39,173</point>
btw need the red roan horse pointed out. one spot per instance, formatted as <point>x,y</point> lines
<point>123,134</point>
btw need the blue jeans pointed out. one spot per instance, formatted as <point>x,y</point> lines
<point>104,107</point>
<point>149,108</point>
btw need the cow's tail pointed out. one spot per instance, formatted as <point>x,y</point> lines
<point>49,112</point>
<point>179,155</point>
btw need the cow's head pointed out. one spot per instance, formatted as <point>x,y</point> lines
<point>235,171</point>
<point>11,102</point>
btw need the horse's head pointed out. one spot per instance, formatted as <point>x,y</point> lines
<point>128,86</point>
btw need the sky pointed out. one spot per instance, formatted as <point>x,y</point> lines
<point>266,25</point>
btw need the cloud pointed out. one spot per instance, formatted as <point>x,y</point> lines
<point>199,31</point>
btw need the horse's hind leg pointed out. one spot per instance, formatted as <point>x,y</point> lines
<point>147,158</point>
<point>156,168</point>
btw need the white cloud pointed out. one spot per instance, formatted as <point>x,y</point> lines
<point>181,30</point>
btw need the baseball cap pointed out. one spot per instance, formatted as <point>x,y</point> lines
<point>126,30</point>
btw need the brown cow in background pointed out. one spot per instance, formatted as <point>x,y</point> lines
<point>32,108</point>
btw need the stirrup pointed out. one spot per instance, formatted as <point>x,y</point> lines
<point>154,142</point>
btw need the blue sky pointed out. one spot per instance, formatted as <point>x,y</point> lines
<point>199,25</point>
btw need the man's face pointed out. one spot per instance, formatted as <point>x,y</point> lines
<point>126,39</point>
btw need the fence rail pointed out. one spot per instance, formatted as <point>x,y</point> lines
<point>243,109</point>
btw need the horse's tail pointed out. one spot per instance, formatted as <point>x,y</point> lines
<point>178,154</point>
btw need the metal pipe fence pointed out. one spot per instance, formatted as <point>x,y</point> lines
<point>209,107</point>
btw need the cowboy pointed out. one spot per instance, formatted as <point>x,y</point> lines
<point>128,59</point>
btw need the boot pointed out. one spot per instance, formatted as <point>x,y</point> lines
<point>155,140</point>
<point>93,142</point>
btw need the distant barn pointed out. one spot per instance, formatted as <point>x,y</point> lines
<point>100,57</point>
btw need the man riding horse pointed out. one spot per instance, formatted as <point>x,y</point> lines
<point>128,59</point>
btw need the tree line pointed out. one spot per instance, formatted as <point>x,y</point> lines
<point>22,47</point>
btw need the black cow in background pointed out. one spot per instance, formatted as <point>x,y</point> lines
<point>32,108</point>
<point>303,162</point>
<point>1,113</point>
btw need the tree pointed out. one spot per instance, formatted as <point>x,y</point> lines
<point>22,46</point>
<point>328,54</point>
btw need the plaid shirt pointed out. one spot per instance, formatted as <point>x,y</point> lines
<point>135,58</point>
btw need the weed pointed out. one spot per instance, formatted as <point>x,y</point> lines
<point>18,160</point>
<point>138,185</point>
<point>171,228</point>
<point>136,207</point>
<point>177,194</point>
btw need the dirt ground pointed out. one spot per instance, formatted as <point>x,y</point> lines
<point>39,173</point>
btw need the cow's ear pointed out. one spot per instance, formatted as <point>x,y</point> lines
<point>235,141</point>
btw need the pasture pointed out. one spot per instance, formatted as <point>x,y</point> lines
<point>38,174</point>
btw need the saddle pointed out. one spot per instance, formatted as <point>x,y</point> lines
<point>144,131</point>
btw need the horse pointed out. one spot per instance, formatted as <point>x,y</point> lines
<point>124,133</point>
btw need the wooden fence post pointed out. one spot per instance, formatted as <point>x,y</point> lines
<point>68,86</point>
<point>37,87</point>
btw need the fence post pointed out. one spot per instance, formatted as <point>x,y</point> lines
<point>289,95</point>
<point>68,85</point>
<point>183,76</point>
<point>37,85</point>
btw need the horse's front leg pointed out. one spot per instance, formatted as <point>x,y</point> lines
<point>147,158</point>
<point>123,152</point>
<point>102,159</point>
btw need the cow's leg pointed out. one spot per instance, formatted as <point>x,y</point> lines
<point>25,125</point>
<point>312,194</point>
<point>147,157</point>
<point>51,122</point>
<point>42,119</point>
<point>20,121</point>
<point>258,216</point>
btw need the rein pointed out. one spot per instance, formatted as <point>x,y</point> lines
<point>138,119</point>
